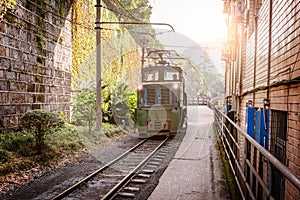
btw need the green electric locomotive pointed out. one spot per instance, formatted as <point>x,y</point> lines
<point>161,106</point>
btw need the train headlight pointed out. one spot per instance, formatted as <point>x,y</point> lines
<point>175,86</point>
<point>140,88</point>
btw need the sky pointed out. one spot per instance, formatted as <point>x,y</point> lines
<point>200,20</point>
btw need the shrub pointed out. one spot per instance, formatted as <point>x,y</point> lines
<point>3,156</point>
<point>40,123</point>
<point>19,142</point>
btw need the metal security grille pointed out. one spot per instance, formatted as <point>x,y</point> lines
<point>278,131</point>
<point>278,149</point>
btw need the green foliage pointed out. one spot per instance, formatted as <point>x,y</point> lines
<point>111,130</point>
<point>20,142</point>
<point>84,107</point>
<point>40,123</point>
<point>119,57</point>
<point>13,146</point>
<point>126,98</point>
<point>119,103</point>
<point>6,5</point>
<point>3,156</point>
<point>66,139</point>
<point>234,193</point>
<point>17,149</point>
<point>138,9</point>
<point>41,40</point>
<point>83,40</point>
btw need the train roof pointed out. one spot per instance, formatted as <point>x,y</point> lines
<point>162,58</point>
<point>159,67</point>
<point>163,54</point>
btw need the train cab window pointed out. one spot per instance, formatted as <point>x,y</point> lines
<point>151,75</point>
<point>171,75</point>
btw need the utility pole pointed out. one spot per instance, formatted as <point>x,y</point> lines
<point>98,67</point>
<point>99,58</point>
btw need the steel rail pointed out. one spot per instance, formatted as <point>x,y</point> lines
<point>76,185</point>
<point>113,192</point>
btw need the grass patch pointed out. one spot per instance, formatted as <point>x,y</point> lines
<point>111,130</point>
<point>234,192</point>
<point>18,153</point>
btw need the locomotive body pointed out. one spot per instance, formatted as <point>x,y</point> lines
<point>161,99</point>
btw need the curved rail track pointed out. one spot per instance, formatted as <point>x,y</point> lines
<point>110,180</point>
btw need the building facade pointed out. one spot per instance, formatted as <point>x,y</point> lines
<point>262,80</point>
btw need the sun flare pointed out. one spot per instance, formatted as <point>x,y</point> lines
<point>201,21</point>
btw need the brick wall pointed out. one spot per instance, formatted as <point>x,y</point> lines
<point>270,68</point>
<point>261,72</point>
<point>248,75</point>
<point>285,70</point>
<point>283,90</point>
<point>285,41</point>
<point>35,60</point>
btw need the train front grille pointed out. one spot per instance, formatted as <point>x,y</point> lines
<point>155,96</point>
<point>159,125</point>
<point>151,96</point>
<point>165,96</point>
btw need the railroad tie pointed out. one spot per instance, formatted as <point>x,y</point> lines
<point>132,189</point>
<point>126,194</point>
<point>158,159</point>
<point>147,171</point>
<point>140,181</point>
<point>153,163</point>
<point>152,166</point>
<point>144,175</point>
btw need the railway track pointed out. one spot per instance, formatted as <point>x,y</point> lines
<point>113,179</point>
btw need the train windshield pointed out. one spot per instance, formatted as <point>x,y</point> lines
<point>151,75</point>
<point>171,75</point>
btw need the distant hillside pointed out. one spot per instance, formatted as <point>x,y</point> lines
<point>204,70</point>
<point>207,58</point>
<point>214,50</point>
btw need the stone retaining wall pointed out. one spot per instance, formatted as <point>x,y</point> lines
<point>35,60</point>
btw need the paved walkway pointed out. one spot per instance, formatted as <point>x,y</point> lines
<point>196,172</point>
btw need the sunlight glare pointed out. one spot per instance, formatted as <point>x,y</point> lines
<point>200,20</point>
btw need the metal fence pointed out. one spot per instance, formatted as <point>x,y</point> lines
<point>198,101</point>
<point>257,173</point>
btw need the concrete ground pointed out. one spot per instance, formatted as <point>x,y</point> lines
<point>196,172</point>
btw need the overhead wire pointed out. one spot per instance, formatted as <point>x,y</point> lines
<point>128,15</point>
<point>133,17</point>
<point>110,45</point>
<point>115,11</point>
<point>111,29</point>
